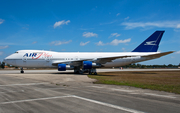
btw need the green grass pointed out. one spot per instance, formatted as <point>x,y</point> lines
<point>168,81</point>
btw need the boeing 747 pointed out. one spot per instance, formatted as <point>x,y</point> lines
<point>87,61</point>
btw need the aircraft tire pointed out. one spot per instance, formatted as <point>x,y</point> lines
<point>22,71</point>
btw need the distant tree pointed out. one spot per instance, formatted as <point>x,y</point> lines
<point>143,66</point>
<point>139,65</point>
<point>133,65</point>
<point>164,66</point>
<point>170,65</point>
<point>150,66</point>
<point>2,65</point>
<point>8,65</point>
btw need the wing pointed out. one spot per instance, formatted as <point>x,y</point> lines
<point>101,60</point>
<point>159,54</point>
<point>104,60</point>
<point>73,62</point>
<point>152,56</point>
<point>109,59</point>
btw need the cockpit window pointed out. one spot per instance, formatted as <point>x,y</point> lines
<point>16,52</point>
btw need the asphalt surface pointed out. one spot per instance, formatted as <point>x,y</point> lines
<point>71,71</point>
<point>72,93</point>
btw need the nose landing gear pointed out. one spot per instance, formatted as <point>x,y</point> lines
<point>22,71</point>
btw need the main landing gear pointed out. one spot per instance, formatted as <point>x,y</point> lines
<point>22,71</point>
<point>92,71</point>
<point>77,70</point>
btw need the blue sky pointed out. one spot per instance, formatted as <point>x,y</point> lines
<point>89,26</point>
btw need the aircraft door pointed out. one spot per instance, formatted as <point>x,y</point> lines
<point>76,58</point>
<point>24,61</point>
<point>47,63</point>
<point>47,59</point>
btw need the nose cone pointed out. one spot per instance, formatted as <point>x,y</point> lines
<point>6,60</point>
<point>10,60</point>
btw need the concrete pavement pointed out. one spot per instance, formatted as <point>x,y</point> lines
<point>67,92</point>
<point>72,71</point>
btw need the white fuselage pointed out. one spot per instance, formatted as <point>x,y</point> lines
<point>39,58</point>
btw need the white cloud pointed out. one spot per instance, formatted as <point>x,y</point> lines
<point>94,8</point>
<point>25,28</point>
<point>59,23</point>
<point>1,21</point>
<point>34,42</point>
<point>178,26</point>
<point>7,43</point>
<point>178,52</point>
<point>100,43</point>
<point>56,43</point>
<point>108,22</point>
<point>3,47</point>
<point>123,49</point>
<point>115,42</point>
<point>114,34</point>
<point>63,49</point>
<point>118,14</point>
<point>160,24</point>
<point>90,34</point>
<point>126,18</point>
<point>1,53</point>
<point>84,43</point>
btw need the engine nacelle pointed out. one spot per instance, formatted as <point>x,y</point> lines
<point>90,65</point>
<point>61,67</point>
<point>87,64</point>
<point>64,67</point>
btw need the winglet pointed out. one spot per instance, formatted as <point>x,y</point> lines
<point>151,44</point>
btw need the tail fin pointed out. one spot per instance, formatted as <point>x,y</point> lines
<point>151,44</point>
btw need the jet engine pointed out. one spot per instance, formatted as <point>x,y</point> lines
<point>90,65</point>
<point>64,67</point>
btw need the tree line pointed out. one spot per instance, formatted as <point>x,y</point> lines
<point>136,65</point>
<point>151,66</point>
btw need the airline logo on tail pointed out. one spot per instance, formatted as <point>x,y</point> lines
<point>150,43</point>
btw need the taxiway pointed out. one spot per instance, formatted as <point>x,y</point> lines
<point>50,91</point>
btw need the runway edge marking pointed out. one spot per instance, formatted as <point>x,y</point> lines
<point>166,96</point>
<point>110,105</point>
<point>29,100</point>
<point>95,86</point>
<point>86,99</point>
<point>123,90</point>
<point>24,84</point>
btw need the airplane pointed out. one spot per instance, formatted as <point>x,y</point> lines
<point>82,62</point>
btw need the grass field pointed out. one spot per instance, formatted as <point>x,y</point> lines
<point>168,81</point>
